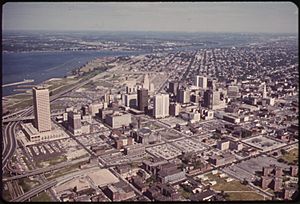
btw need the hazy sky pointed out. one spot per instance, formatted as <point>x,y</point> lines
<point>125,16</point>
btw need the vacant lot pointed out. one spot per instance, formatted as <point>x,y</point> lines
<point>291,156</point>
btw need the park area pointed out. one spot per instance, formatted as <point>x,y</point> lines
<point>233,189</point>
<point>290,157</point>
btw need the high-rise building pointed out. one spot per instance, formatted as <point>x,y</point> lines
<point>41,104</point>
<point>131,87</point>
<point>200,81</point>
<point>173,87</point>
<point>146,82</point>
<point>161,105</point>
<point>143,99</point>
<point>174,109</point>
<point>147,85</point>
<point>265,91</point>
<point>183,95</point>
<point>211,83</point>
<point>130,100</point>
<point>212,99</point>
<point>74,121</point>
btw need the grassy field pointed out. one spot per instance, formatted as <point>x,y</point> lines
<point>6,195</point>
<point>19,105</point>
<point>51,161</point>
<point>244,196</point>
<point>291,156</point>
<point>230,187</point>
<point>184,193</point>
<point>64,171</point>
<point>42,197</point>
<point>27,184</point>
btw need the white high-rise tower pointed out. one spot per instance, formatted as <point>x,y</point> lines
<point>200,81</point>
<point>161,105</point>
<point>265,91</point>
<point>41,104</point>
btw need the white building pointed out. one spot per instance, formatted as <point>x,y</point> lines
<point>41,104</point>
<point>118,119</point>
<point>130,100</point>
<point>161,105</point>
<point>200,81</point>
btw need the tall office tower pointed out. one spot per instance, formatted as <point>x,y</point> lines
<point>211,98</point>
<point>161,105</point>
<point>183,95</point>
<point>173,87</point>
<point>174,109</point>
<point>211,84</point>
<point>74,121</point>
<point>131,87</point>
<point>146,82</point>
<point>142,99</point>
<point>265,91</point>
<point>41,104</point>
<point>200,81</point>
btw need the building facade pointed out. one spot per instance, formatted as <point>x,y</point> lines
<point>161,106</point>
<point>41,105</point>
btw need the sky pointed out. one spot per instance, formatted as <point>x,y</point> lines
<point>270,17</point>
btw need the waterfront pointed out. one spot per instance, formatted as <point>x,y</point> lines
<point>41,66</point>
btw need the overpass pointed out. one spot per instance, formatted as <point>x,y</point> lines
<point>44,170</point>
<point>35,191</point>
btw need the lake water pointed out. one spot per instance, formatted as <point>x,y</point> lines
<point>42,66</point>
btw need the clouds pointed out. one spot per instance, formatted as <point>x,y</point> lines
<point>153,16</point>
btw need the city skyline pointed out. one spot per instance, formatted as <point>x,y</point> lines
<point>257,17</point>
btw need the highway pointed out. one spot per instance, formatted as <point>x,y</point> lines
<point>46,169</point>
<point>10,142</point>
<point>35,191</point>
<point>49,184</point>
<point>9,133</point>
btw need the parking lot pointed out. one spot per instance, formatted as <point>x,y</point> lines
<point>188,145</point>
<point>91,139</point>
<point>248,168</point>
<point>211,125</point>
<point>263,143</point>
<point>169,134</point>
<point>165,151</point>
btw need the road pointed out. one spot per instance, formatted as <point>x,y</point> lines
<point>9,136</point>
<point>46,169</point>
<point>49,184</point>
<point>10,143</point>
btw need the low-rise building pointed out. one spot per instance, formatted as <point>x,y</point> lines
<point>137,150</point>
<point>118,119</point>
<point>118,191</point>
<point>170,173</point>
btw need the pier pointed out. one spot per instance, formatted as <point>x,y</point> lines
<point>25,81</point>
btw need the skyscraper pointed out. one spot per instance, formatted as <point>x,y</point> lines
<point>200,81</point>
<point>214,99</point>
<point>161,105</point>
<point>211,98</point>
<point>265,91</point>
<point>146,82</point>
<point>173,87</point>
<point>41,104</point>
<point>183,95</point>
<point>142,99</point>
